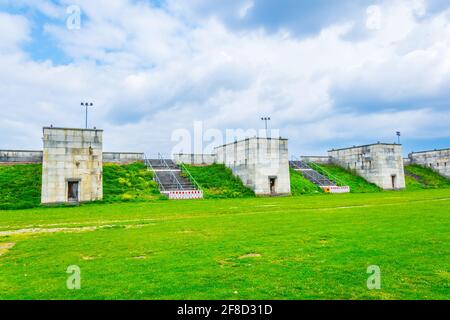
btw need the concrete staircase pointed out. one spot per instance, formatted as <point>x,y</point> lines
<point>168,176</point>
<point>311,174</point>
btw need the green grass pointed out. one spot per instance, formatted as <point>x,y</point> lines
<point>300,185</point>
<point>132,182</point>
<point>421,177</point>
<point>217,181</point>
<point>413,184</point>
<point>349,178</point>
<point>20,186</point>
<point>255,248</point>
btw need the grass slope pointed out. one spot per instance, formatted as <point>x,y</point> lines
<point>20,186</point>
<point>349,178</point>
<point>420,177</point>
<point>256,248</point>
<point>217,181</point>
<point>300,185</point>
<point>132,182</point>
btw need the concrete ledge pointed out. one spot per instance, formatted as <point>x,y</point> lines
<point>366,145</point>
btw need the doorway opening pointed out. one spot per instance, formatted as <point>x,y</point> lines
<point>273,185</point>
<point>394,181</point>
<point>72,191</point>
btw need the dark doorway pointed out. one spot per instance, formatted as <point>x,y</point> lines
<point>394,182</point>
<point>272,184</point>
<point>72,191</point>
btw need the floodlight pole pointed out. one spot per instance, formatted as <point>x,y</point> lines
<point>86,105</point>
<point>265,119</point>
<point>398,136</point>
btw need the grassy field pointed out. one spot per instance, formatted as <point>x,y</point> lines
<point>307,247</point>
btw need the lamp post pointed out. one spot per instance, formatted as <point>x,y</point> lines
<point>86,105</point>
<point>265,119</point>
<point>398,136</point>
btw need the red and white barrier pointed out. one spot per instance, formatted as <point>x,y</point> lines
<point>185,194</point>
<point>336,189</point>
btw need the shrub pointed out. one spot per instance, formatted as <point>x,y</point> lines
<point>132,182</point>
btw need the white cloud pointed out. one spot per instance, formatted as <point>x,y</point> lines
<point>243,11</point>
<point>15,31</point>
<point>374,17</point>
<point>150,71</point>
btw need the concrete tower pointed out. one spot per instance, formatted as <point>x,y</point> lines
<point>72,165</point>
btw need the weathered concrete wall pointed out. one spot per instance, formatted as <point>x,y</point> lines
<point>379,163</point>
<point>316,159</point>
<point>72,155</point>
<point>122,157</point>
<point>438,160</point>
<point>20,156</point>
<point>24,156</point>
<point>258,160</point>
<point>195,159</point>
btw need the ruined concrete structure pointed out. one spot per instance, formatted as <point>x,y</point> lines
<point>380,163</point>
<point>196,159</point>
<point>438,160</point>
<point>122,157</point>
<point>316,159</point>
<point>72,165</point>
<point>261,163</point>
<point>23,157</point>
<point>20,156</point>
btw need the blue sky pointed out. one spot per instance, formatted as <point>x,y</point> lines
<point>329,73</point>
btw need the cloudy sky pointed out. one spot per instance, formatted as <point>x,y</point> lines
<point>329,73</point>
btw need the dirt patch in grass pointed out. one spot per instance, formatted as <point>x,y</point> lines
<point>42,230</point>
<point>5,247</point>
<point>250,255</point>
<point>55,230</point>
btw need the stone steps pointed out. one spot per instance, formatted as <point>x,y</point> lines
<point>311,174</point>
<point>168,175</point>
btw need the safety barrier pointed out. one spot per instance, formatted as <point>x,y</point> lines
<point>185,194</point>
<point>336,189</point>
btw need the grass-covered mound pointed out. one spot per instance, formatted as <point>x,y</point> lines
<point>132,182</point>
<point>217,181</point>
<point>20,186</point>
<point>413,184</point>
<point>300,185</point>
<point>420,177</point>
<point>346,177</point>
